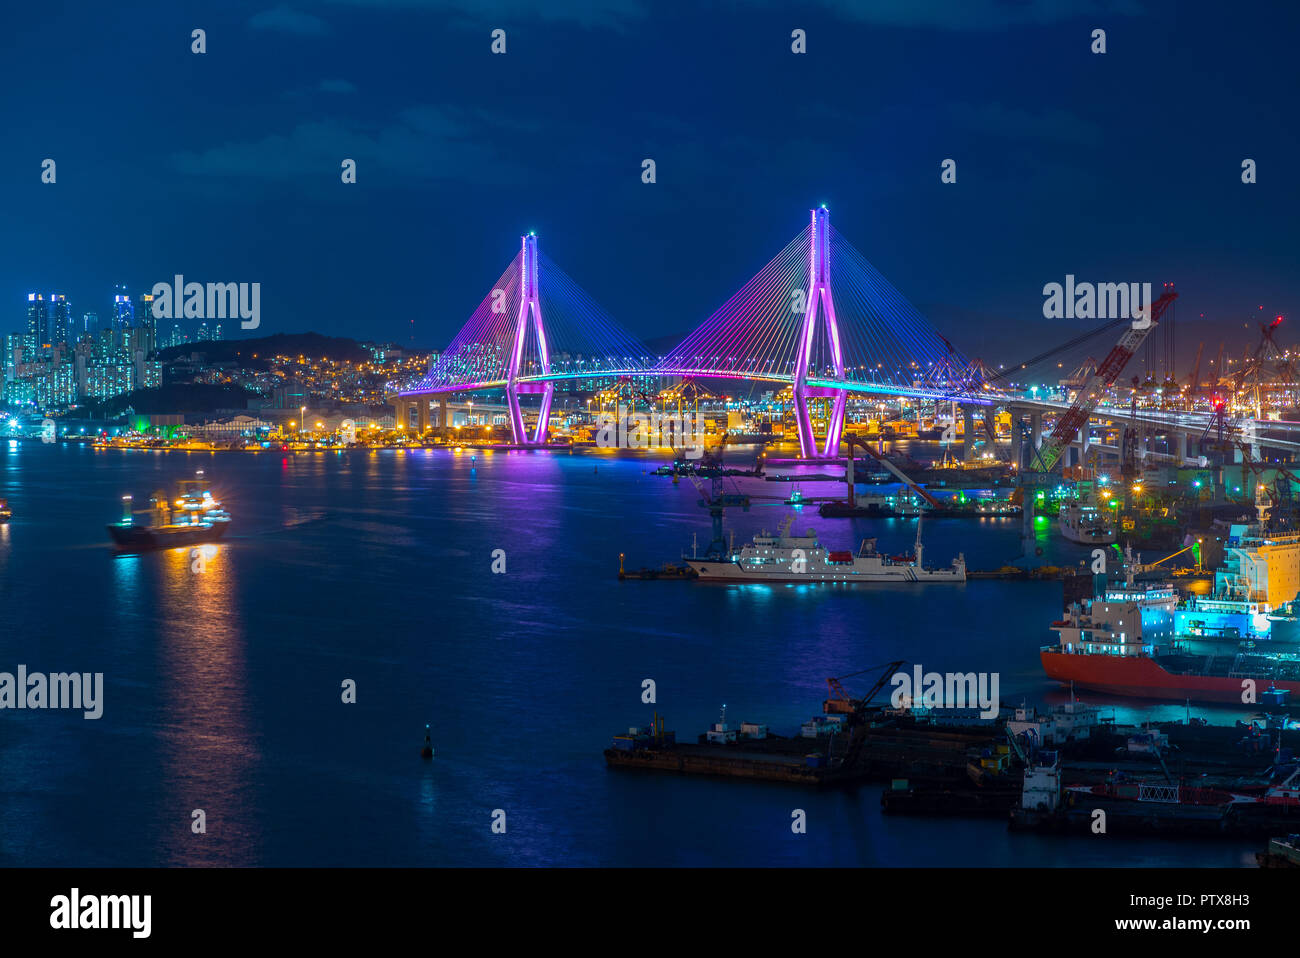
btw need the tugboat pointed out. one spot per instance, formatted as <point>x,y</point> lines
<point>5,512</point>
<point>127,535</point>
<point>786,558</point>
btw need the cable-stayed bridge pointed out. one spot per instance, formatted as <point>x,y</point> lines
<point>818,318</point>
<point>825,332</point>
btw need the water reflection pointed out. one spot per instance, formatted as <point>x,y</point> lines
<point>207,750</point>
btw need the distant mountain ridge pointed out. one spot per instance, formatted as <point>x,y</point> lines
<point>314,345</point>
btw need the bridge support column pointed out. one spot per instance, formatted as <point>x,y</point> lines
<point>401,413</point>
<point>1180,447</point>
<point>968,429</point>
<point>444,422</point>
<point>422,411</point>
<point>1036,429</point>
<point>819,300</point>
<point>530,307</point>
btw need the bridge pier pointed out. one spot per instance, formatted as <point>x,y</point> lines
<point>968,433</point>
<point>530,307</point>
<point>819,295</point>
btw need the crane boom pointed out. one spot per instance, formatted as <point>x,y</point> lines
<point>901,476</point>
<point>1090,396</point>
<point>1195,384</point>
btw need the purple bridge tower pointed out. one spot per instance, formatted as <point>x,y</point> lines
<point>529,306</point>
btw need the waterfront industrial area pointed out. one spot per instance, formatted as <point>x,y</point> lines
<point>1176,492</point>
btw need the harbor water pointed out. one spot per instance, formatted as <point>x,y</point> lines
<point>225,668</point>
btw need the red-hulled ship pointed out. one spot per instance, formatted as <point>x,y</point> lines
<point>1138,640</point>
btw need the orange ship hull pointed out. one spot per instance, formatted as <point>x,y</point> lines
<point>1142,677</point>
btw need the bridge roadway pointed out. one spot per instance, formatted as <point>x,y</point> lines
<point>1181,427</point>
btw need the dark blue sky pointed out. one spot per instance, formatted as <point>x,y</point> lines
<point>225,166</point>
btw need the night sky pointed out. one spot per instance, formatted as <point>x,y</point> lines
<point>225,166</point>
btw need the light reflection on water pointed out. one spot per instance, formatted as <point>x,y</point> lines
<point>223,685</point>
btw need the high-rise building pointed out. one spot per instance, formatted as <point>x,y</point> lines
<point>123,311</point>
<point>61,327</point>
<point>89,324</point>
<point>145,320</point>
<point>13,355</point>
<point>38,323</point>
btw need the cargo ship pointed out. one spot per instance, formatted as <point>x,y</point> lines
<point>787,558</point>
<point>200,519</point>
<point>1137,639</point>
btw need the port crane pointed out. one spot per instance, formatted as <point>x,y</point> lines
<point>1090,396</point>
<point>851,441</point>
<point>1048,455</point>
<point>717,499</point>
<point>841,703</point>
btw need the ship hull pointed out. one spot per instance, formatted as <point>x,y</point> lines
<point>1143,677</point>
<point>1087,538</point>
<point>146,538</point>
<point>709,571</point>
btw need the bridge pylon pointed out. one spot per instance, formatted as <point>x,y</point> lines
<point>819,304</point>
<point>530,309</point>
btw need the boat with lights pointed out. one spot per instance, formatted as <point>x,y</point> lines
<point>1082,522</point>
<point>1139,639</point>
<point>195,518</point>
<point>789,558</point>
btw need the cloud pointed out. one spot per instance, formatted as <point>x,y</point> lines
<point>283,20</point>
<point>975,14</point>
<point>336,86</point>
<point>608,14</point>
<point>423,142</point>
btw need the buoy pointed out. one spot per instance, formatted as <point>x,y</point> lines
<point>427,751</point>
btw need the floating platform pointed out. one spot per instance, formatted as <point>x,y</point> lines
<point>668,571</point>
<point>871,753</point>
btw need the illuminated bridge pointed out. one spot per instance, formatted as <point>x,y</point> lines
<point>818,319</point>
<point>827,334</point>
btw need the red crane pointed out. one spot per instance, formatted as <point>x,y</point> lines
<point>1091,395</point>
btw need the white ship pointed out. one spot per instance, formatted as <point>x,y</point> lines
<point>786,558</point>
<point>1083,523</point>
